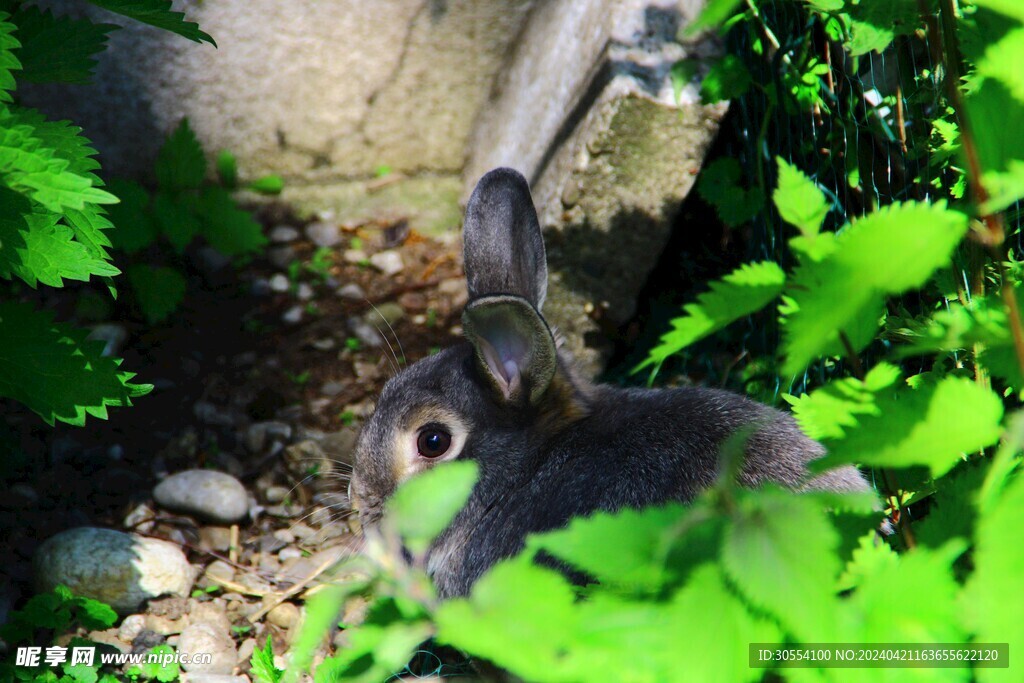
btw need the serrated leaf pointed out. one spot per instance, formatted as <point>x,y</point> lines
<point>27,165</point>
<point>58,49</point>
<point>992,601</point>
<point>159,290</point>
<point>178,223</point>
<point>828,411</point>
<point>994,114</point>
<point>1010,8</point>
<point>262,663</point>
<point>229,229</point>
<point>375,653</point>
<point>494,623</point>
<point>728,79</point>
<point>915,427</point>
<point>65,139</point>
<point>952,508</point>
<point>135,228</point>
<point>93,614</point>
<point>719,185</point>
<point>799,200</point>
<point>180,163</point>
<point>641,539</point>
<point>8,62</point>
<point>779,550</point>
<point>425,505</point>
<point>55,371</point>
<point>157,13</point>
<point>874,24</point>
<point>893,250</point>
<point>742,292</point>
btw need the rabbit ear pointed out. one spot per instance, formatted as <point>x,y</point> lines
<point>514,346</point>
<point>503,246</point>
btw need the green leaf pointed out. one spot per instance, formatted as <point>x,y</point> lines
<point>799,200</point>
<point>58,49</point>
<point>268,184</point>
<point>93,614</point>
<point>715,13</point>
<point>227,228</point>
<point>262,662</point>
<point>952,510</point>
<point>180,163</point>
<point>158,289</point>
<point>178,223</point>
<point>227,169</point>
<point>55,371</point>
<point>874,24</point>
<point>893,250</point>
<point>135,227</point>
<point>780,551</point>
<point>992,600</point>
<point>641,540</point>
<point>1010,8</point>
<point>916,427</point>
<point>827,412</point>
<point>27,165</point>
<point>719,185</point>
<point>519,615</point>
<point>36,248</point>
<point>681,73</point>
<point>156,13</point>
<point>727,80</point>
<point>375,653</point>
<point>321,613</point>
<point>425,505</point>
<point>994,114</point>
<point>742,292</point>
<point>8,62</point>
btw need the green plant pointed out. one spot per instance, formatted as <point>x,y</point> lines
<point>53,222</point>
<point>183,208</point>
<point>900,320</point>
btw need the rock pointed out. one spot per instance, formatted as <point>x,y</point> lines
<point>213,495</point>
<point>284,233</point>
<point>332,388</point>
<point>279,283</point>
<point>212,639</point>
<point>212,415</point>
<point>302,457</point>
<point>355,256</point>
<point>289,553</point>
<point>141,519</point>
<point>285,615</point>
<point>111,637</point>
<point>276,494</point>
<point>281,256</point>
<point>216,538</point>
<point>351,291</point>
<point>245,651</point>
<point>164,625</point>
<point>259,286</point>
<point>112,335</point>
<point>340,446</point>
<point>365,333</point>
<point>455,289</point>
<point>20,496</point>
<point>384,315</point>
<point>611,158</point>
<point>325,344</point>
<point>323,234</point>
<point>219,569</point>
<point>388,262</point>
<point>259,435</point>
<point>211,261</point>
<point>304,292</point>
<point>119,569</point>
<point>131,627</point>
<point>292,316</point>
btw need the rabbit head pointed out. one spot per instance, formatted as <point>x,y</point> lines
<point>493,393</point>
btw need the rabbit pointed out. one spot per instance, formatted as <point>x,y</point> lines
<point>549,444</point>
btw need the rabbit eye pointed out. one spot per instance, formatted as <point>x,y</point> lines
<point>433,442</point>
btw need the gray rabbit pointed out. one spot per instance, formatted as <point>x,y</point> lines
<point>550,445</point>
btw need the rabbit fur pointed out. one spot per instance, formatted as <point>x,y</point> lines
<point>549,444</point>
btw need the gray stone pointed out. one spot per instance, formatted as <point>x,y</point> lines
<point>131,627</point>
<point>325,344</point>
<point>365,333</point>
<point>285,615</point>
<point>279,283</point>
<point>608,191</point>
<point>260,434</point>
<point>388,262</point>
<point>292,316</point>
<point>332,388</point>
<point>119,569</point>
<point>305,292</point>
<point>351,291</point>
<point>281,256</point>
<point>282,234</point>
<point>324,234</point>
<point>354,256</point>
<point>212,639</point>
<point>384,315</point>
<point>276,494</point>
<point>215,496</point>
